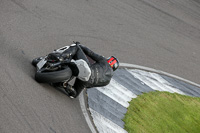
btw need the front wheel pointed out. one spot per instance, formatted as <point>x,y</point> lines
<point>53,77</point>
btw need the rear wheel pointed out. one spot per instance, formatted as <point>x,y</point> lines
<point>53,77</point>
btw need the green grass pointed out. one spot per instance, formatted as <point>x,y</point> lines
<point>163,112</point>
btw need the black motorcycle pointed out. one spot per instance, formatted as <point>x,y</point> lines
<point>52,68</point>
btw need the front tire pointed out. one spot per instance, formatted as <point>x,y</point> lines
<point>53,77</point>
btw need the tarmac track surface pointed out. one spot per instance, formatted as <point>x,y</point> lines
<point>163,35</point>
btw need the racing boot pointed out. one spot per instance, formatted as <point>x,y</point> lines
<point>71,92</point>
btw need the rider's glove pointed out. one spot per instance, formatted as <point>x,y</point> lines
<point>54,56</point>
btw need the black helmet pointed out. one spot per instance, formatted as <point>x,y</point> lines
<point>113,62</point>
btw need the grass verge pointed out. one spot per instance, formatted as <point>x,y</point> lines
<point>161,112</point>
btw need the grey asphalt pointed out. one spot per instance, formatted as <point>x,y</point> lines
<point>163,35</point>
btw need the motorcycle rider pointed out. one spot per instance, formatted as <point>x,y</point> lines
<point>96,74</point>
<point>88,75</point>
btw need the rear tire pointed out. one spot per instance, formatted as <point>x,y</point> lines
<point>53,77</point>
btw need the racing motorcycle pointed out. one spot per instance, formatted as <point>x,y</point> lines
<point>53,69</point>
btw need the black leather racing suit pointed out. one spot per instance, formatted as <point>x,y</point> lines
<point>101,71</point>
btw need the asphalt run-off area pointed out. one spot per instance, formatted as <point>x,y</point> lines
<point>161,35</point>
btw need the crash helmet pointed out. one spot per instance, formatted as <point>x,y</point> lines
<point>113,62</point>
